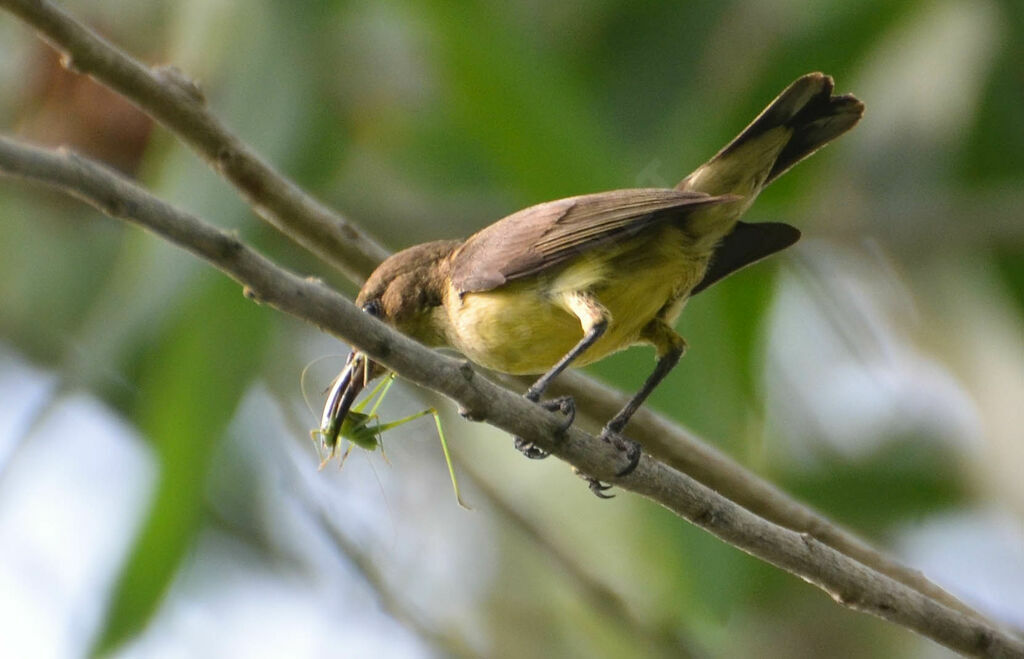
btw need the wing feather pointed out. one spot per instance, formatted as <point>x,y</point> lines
<point>542,236</point>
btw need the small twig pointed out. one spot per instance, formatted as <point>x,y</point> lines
<point>847,581</point>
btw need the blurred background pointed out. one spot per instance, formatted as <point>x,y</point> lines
<point>159,493</point>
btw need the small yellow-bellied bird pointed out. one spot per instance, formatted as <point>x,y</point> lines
<point>571,281</point>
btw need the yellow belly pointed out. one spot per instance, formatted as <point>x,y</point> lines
<point>522,328</point>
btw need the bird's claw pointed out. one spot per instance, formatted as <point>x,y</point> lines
<point>633,452</point>
<point>529,449</point>
<point>567,406</point>
<point>563,404</point>
<point>598,488</point>
<point>630,447</point>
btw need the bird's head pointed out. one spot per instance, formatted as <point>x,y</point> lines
<point>406,291</point>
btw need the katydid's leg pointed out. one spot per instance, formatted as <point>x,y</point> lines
<point>381,390</point>
<point>448,460</point>
<point>444,445</point>
<point>594,318</point>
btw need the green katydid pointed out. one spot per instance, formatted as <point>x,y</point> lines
<point>358,428</point>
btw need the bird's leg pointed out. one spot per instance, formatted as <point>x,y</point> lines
<point>594,319</point>
<point>670,347</point>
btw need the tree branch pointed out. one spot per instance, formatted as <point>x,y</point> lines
<point>677,447</point>
<point>177,103</point>
<point>847,581</point>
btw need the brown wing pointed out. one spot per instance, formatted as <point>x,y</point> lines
<point>746,244</point>
<point>539,237</point>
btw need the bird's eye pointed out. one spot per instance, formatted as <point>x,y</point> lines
<point>373,308</point>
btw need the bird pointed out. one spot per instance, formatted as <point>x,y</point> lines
<point>571,281</point>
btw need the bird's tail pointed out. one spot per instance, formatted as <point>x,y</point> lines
<point>801,120</point>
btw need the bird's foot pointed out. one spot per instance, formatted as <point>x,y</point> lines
<point>563,404</point>
<point>529,449</point>
<point>596,486</point>
<point>633,451</point>
<point>630,447</point>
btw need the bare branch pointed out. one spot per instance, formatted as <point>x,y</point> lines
<point>846,580</point>
<point>682,450</point>
<point>176,102</point>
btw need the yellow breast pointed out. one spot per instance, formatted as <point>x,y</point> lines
<point>525,327</point>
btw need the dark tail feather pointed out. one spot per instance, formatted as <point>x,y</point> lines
<point>746,244</point>
<point>815,115</point>
<point>822,120</point>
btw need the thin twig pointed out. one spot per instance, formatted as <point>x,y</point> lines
<point>176,102</point>
<point>844,579</point>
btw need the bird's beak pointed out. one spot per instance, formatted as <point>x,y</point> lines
<point>353,378</point>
